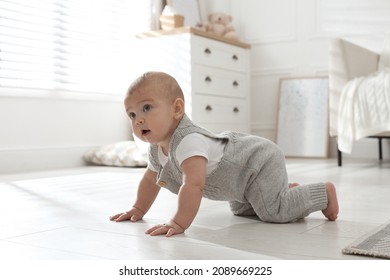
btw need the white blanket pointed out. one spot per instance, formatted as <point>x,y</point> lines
<point>364,109</point>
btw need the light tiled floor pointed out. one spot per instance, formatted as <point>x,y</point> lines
<point>63,214</point>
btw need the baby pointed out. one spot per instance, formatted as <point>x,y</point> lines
<point>192,162</point>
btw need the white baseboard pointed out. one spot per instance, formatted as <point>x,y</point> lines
<point>262,129</point>
<point>366,148</point>
<point>14,160</point>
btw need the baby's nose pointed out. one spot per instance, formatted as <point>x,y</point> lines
<point>139,121</point>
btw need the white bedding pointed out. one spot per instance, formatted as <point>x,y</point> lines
<point>364,109</point>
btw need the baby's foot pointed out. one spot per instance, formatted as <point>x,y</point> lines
<point>291,185</point>
<point>332,210</point>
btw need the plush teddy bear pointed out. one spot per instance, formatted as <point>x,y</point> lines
<point>220,24</point>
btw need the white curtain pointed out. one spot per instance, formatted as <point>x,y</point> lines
<point>69,45</point>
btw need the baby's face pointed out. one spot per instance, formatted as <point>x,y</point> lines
<point>151,115</point>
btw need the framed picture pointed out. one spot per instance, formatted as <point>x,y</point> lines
<point>302,129</point>
<point>189,9</point>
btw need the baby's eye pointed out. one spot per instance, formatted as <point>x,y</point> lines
<point>147,108</point>
<point>132,115</point>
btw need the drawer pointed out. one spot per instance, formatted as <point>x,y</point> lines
<point>219,82</point>
<point>217,54</point>
<point>221,127</point>
<point>214,110</point>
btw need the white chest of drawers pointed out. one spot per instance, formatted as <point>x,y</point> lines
<point>213,74</point>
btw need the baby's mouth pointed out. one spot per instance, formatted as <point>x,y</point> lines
<point>145,132</point>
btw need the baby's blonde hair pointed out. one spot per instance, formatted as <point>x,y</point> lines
<point>165,84</point>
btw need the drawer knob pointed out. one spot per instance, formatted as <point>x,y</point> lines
<point>235,83</point>
<point>208,108</point>
<point>235,57</point>
<point>236,110</point>
<point>207,51</point>
<point>208,79</point>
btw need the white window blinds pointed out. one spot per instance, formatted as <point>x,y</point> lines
<point>68,45</point>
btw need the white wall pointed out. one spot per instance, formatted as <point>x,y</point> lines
<point>289,38</point>
<point>41,133</point>
<point>40,130</point>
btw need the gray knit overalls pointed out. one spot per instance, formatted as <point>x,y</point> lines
<point>251,176</point>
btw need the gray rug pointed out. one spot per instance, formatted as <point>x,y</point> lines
<point>374,244</point>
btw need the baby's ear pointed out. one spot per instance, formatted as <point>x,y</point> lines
<point>178,107</point>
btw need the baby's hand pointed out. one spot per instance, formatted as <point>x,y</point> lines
<point>133,215</point>
<point>168,229</point>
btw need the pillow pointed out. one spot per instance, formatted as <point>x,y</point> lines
<point>384,59</point>
<point>124,154</point>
